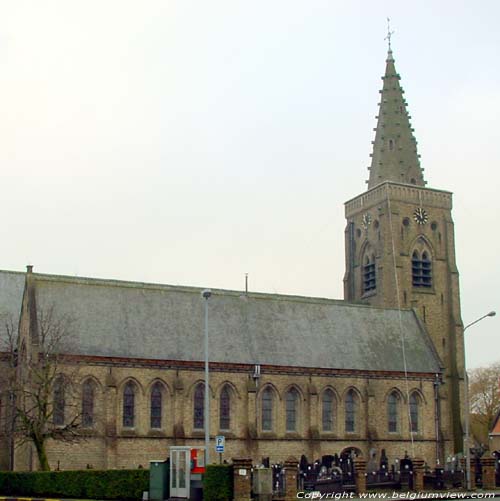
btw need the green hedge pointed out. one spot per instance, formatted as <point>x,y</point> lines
<point>218,483</point>
<point>91,484</point>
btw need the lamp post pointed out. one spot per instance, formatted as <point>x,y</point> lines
<point>206,295</point>
<point>466,404</point>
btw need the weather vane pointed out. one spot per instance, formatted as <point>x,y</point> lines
<point>389,33</point>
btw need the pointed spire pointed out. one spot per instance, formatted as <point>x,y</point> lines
<point>394,156</point>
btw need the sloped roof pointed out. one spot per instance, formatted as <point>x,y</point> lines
<point>394,156</point>
<point>495,429</point>
<point>163,322</point>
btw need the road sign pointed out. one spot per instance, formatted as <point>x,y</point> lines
<point>220,442</point>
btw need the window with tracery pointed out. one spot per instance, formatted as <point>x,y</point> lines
<point>392,412</point>
<point>414,412</point>
<point>267,409</point>
<point>59,403</point>
<point>350,411</point>
<point>225,408</point>
<point>199,407</point>
<point>328,410</point>
<point>129,405</point>
<point>291,403</point>
<point>88,403</point>
<point>156,405</point>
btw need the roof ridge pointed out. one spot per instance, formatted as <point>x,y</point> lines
<point>192,289</point>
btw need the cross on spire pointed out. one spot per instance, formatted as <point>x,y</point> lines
<point>389,33</point>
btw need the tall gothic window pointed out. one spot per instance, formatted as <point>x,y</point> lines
<point>267,409</point>
<point>199,407</point>
<point>292,403</point>
<point>328,410</point>
<point>369,278</point>
<point>59,401</point>
<point>414,412</point>
<point>129,405</point>
<point>225,408</point>
<point>392,412</point>
<point>350,411</point>
<point>88,402</point>
<point>421,268</point>
<point>156,405</point>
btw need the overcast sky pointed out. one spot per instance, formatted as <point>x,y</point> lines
<point>188,142</point>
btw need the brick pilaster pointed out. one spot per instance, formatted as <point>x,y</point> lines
<point>242,479</point>
<point>418,474</point>
<point>291,472</point>
<point>473,468</point>
<point>360,475</point>
<point>488,464</point>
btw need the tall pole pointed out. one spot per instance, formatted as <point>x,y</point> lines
<point>206,417</point>
<point>466,410</point>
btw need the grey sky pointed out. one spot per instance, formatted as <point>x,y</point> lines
<point>189,142</point>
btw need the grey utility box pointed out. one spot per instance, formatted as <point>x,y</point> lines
<point>263,483</point>
<point>159,477</point>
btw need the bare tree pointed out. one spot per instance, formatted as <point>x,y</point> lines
<point>41,388</point>
<point>484,396</point>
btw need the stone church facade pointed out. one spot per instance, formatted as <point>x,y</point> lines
<point>289,375</point>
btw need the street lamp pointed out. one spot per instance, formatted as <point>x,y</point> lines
<point>466,403</point>
<point>206,293</point>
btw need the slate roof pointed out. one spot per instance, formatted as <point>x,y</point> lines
<point>163,322</point>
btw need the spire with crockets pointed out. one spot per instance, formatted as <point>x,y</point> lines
<point>394,156</point>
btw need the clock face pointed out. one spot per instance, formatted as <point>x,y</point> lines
<point>366,220</point>
<point>420,215</point>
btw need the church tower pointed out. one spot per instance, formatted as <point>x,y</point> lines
<point>400,248</point>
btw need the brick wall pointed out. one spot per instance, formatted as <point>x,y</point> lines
<point>111,445</point>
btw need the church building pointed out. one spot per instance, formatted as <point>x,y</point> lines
<point>289,375</point>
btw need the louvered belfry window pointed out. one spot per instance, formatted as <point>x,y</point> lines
<point>421,268</point>
<point>369,278</point>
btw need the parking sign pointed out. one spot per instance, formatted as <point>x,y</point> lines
<point>220,442</point>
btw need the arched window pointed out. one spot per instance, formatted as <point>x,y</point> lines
<point>129,405</point>
<point>369,278</point>
<point>414,412</point>
<point>292,403</point>
<point>421,269</point>
<point>225,408</point>
<point>59,401</point>
<point>350,411</point>
<point>328,410</point>
<point>392,412</point>
<point>199,407</point>
<point>156,405</point>
<point>88,401</point>
<point>267,410</point>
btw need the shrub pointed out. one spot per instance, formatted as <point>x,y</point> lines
<point>218,483</point>
<point>106,484</point>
